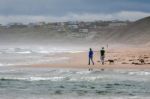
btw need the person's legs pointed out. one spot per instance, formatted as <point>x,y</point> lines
<point>102,60</point>
<point>89,60</point>
<point>92,61</point>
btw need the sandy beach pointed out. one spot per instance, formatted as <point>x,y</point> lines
<point>124,58</point>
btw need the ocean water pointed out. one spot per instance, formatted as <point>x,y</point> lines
<point>51,83</point>
<point>26,56</point>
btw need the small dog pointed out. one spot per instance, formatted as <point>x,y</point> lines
<point>111,61</point>
<point>141,61</point>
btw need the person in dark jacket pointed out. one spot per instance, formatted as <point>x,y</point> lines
<point>102,55</point>
<point>91,53</point>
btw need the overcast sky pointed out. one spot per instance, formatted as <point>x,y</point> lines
<point>64,10</point>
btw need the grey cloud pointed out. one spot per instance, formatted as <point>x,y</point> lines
<point>63,7</point>
<point>124,15</point>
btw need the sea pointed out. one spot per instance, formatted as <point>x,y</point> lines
<point>27,56</point>
<point>20,82</point>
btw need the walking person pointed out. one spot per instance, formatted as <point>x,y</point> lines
<point>91,53</point>
<point>102,55</point>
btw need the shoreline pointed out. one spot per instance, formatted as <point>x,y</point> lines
<point>124,58</point>
<point>100,67</point>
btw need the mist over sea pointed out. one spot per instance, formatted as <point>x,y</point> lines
<point>14,56</point>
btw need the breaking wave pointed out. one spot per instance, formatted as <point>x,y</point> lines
<point>142,73</point>
<point>70,83</point>
<point>35,50</point>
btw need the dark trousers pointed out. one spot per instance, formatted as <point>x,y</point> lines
<point>91,59</point>
<point>102,59</point>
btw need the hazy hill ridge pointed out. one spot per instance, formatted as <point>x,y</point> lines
<point>133,33</point>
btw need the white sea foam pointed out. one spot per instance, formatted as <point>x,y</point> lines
<point>25,52</point>
<point>46,78</point>
<point>78,79</point>
<point>42,51</point>
<point>84,72</point>
<point>139,73</point>
<point>15,51</point>
<point>37,50</point>
<point>55,78</point>
<point>1,64</point>
<point>34,78</point>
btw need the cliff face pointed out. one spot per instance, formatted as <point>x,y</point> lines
<point>134,33</point>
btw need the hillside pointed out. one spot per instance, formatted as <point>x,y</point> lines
<point>135,33</point>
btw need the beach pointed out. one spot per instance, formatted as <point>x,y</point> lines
<point>46,74</point>
<point>124,58</point>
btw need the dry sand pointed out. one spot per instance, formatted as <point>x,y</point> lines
<point>124,58</point>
